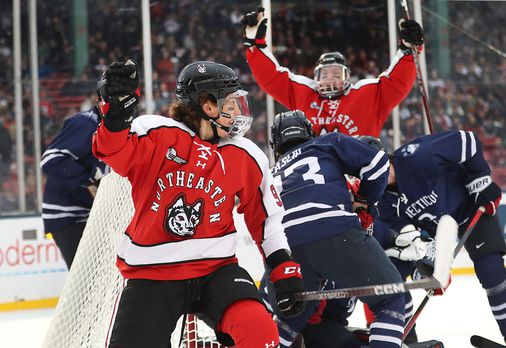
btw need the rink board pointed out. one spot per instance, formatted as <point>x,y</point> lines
<point>31,266</point>
<point>32,270</point>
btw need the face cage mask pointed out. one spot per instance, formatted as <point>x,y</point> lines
<point>332,79</point>
<point>236,106</point>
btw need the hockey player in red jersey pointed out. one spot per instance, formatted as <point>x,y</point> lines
<point>330,101</point>
<point>186,171</point>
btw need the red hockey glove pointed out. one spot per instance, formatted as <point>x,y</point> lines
<point>287,280</point>
<point>360,204</point>
<point>353,184</point>
<point>441,291</point>
<point>119,94</point>
<point>255,28</point>
<point>366,219</point>
<point>485,193</point>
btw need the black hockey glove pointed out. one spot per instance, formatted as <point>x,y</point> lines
<point>411,34</point>
<point>255,28</point>
<point>119,94</point>
<point>287,280</point>
<point>485,193</point>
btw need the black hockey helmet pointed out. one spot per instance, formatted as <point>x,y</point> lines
<point>222,83</point>
<point>374,142</point>
<point>332,58</point>
<point>341,74</point>
<point>213,78</point>
<point>289,129</point>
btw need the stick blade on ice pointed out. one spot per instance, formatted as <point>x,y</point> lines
<point>446,238</point>
<point>482,342</point>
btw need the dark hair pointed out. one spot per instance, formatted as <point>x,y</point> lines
<point>185,113</point>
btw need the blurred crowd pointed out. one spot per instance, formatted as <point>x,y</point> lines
<point>189,30</point>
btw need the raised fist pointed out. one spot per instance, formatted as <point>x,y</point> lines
<point>119,94</point>
<point>411,33</point>
<point>255,28</point>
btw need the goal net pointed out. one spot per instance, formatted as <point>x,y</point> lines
<point>84,314</point>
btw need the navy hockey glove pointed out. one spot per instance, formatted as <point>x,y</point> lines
<point>411,33</point>
<point>485,193</point>
<point>119,94</point>
<point>255,28</point>
<point>287,280</point>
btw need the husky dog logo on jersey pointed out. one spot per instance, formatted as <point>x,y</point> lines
<point>181,218</point>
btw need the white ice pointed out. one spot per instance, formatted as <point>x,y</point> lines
<point>452,318</point>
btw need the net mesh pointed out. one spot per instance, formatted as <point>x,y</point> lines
<point>84,314</point>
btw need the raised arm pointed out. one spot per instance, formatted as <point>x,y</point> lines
<point>285,87</point>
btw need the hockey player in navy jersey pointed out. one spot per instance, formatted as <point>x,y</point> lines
<point>72,174</point>
<point>446,173</point>
<point>406,249</point>
<point>323,231</point>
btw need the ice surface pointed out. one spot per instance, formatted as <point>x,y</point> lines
<point>452,318</point>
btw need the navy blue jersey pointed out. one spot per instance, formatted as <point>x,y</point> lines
<point>70,168</point>
<point>430,175</point>
<point>313,187</point>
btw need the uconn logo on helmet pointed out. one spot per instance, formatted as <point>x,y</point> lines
<point>409,150</point>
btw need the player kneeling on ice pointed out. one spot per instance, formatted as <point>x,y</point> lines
<point>445,173</point>
<point>323,231</point>
<point>178,251</point>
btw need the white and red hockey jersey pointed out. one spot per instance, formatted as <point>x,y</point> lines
<point>363,110</point>
<point>184,191</point>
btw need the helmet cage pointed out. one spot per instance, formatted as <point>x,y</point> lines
<point>329,87</point>
<point>332,79</point>
<point>235,105</point>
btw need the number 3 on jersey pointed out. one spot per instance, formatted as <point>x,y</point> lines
<point>313,167</point>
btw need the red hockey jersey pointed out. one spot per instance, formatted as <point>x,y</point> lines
<point>361,111</point>
<point>184,191</point>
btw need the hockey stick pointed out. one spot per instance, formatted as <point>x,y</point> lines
<point>446,237</point>
<point>421,84</point>
<point>469,229</point>
<point>482,342</point>
<point>430,293</point>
